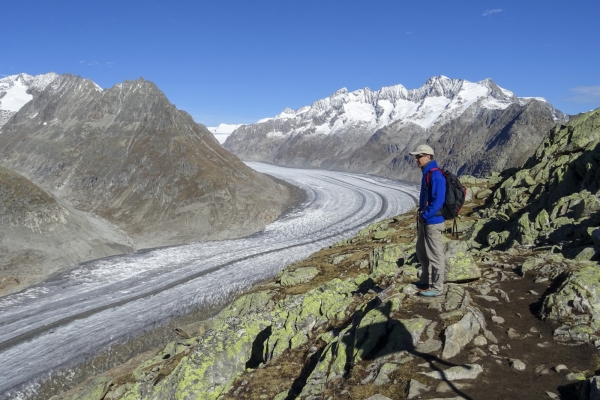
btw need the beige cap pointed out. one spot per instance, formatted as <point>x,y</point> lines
<point>422,149</point>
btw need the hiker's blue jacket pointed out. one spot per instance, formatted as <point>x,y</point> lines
<point>433,195</point>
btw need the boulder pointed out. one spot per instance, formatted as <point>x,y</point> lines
<point>460,265</point>
<point>460,334</point>
<point>383,261</point>
<point>577,305</point>
<point>298,276</point>
<point>587,253</point>
<point>416,388</point>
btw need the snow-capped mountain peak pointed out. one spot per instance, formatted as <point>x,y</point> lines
<point>18,90</point>
<point>438,100</point>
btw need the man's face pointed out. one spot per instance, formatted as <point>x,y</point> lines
<point>422,159</point>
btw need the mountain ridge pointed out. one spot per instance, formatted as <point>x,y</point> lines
<point>334,130</point>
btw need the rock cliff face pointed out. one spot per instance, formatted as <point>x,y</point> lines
<point>128,155</point>
<point>472,126</point>
<point>40,234</point>
<point>346,323</point>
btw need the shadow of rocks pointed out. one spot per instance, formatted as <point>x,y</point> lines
<point>258,348</point>
<point>381,339</point>
<point>537,307</point>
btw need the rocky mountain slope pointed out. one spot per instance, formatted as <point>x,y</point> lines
<point>39,234</point>
<point>17,90</point>
<point>473,126</point>
<point>519,317</point>
<point>128,156</point>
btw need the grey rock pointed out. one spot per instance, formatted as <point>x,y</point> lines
<point>416,388</point>
<point>487,298</point>
<point>384,372</point>
<point>458,335</point>
<point>467,371</point>
<point>560,368</point>
<point>429,346</point>
<point>480,341</point>
<point>478,351</point>
<point>454,297</point>
<point>542,370</point>
<point>446,387</point>
<point>378,397</point>
<point>517,364</point>
<point>511,333</point>
<point>483,194</point>
<point>498,320</point>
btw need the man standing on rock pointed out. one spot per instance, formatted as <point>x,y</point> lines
<point>430,224</point>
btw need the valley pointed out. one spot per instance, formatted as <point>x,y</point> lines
<point>68,318</point>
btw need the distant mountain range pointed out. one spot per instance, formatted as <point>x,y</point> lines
<point>123,160</point>
<point>474,127</point>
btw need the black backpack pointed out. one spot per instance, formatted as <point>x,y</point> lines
<point>455,196</point>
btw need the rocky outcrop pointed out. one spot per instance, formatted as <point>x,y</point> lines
<point>476,128</point>
<point>128,155</point>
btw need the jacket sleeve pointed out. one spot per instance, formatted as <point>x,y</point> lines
<point>438,195</point>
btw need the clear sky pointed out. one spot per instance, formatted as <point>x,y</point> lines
<point>236,61</point>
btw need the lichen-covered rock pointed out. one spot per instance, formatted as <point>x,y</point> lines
<point>525,233</point>
<point>460,265</point>
<point>298,276</point>
<point>577,305</point>
<point>383,261</point>
<point>220,356</point>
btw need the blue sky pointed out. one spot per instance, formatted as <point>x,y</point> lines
<point>239,61</point>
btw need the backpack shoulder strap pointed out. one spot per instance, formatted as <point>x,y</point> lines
<point>428,176</point>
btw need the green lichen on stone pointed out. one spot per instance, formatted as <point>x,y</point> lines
<point>581,292</point>
<point>460,264</point>
<point>383,234</point>
<point>248,303</point>
<point>371,329</point>
<point>526,234</point>
<point>298,276</point>
<point>587,253</point>
<point>383,261</point>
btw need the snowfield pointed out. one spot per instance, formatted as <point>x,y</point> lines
<point>73,316</point>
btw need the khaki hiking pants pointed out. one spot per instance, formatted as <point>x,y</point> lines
<point>430,252</point>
